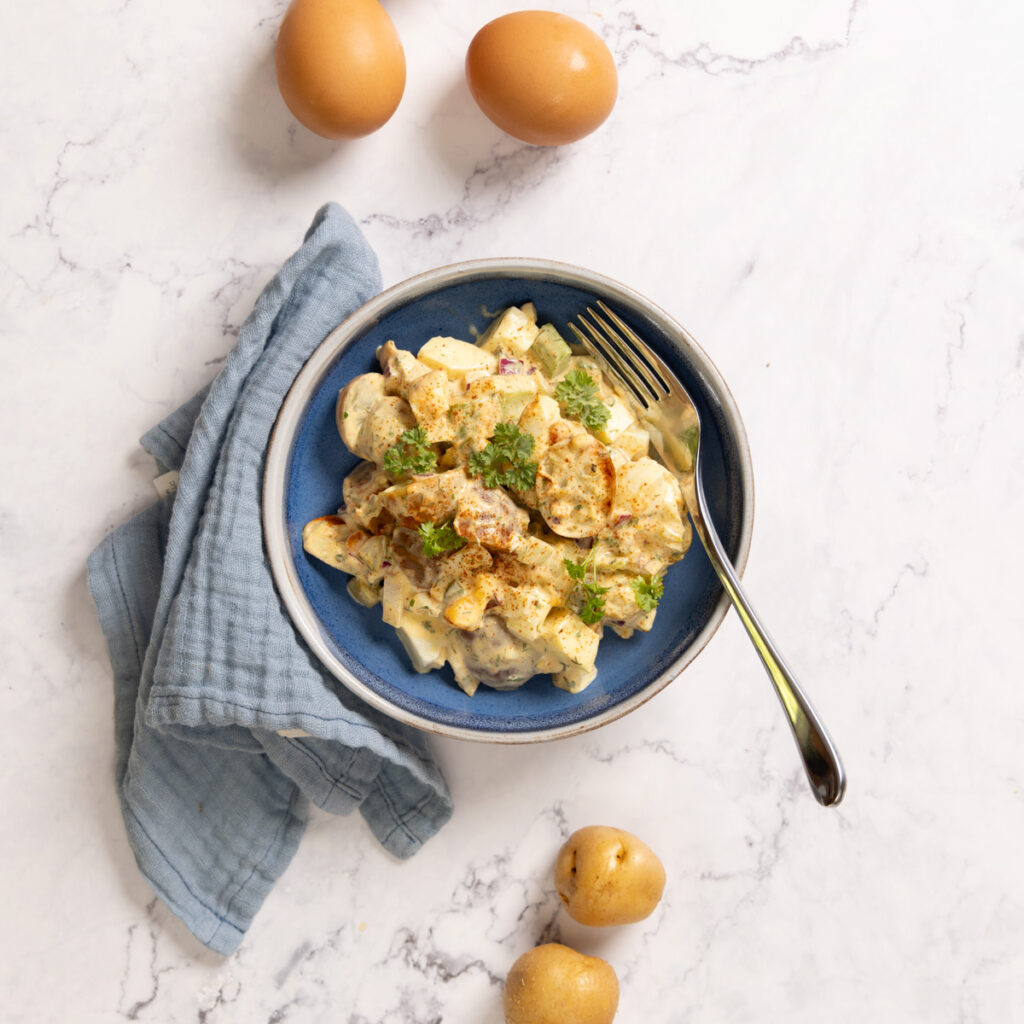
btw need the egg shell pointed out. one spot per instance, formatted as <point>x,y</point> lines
<point>340,66</point>
<point>541,76</point>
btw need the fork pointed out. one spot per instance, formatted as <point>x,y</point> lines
<point>675,422</point>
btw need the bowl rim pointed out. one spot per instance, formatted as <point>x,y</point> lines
<point>275,476</point>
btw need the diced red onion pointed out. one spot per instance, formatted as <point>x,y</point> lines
<point>585,542</point>
<point>385,565</point>
<point>508,366</point>
<point>624,518</point>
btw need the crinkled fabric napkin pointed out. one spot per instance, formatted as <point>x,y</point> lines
<point>207,667</point>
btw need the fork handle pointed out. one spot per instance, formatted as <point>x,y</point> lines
<point>821,759</point>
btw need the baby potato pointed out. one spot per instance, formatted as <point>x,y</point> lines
<point>605,876</point>
<point>553,984</point>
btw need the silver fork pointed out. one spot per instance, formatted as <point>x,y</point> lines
<point>668,409</point>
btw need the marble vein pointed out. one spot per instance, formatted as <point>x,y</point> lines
<point>627,34</point>
<point>831,196</point>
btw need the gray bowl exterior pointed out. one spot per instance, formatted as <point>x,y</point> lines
<point>306,463</point>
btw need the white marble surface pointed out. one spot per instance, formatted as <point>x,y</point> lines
<point>831,197</point>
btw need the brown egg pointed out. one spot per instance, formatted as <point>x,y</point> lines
<point>543,77</point>
<point>340,66</point>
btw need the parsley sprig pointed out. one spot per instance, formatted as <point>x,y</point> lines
<point>505,460</point>
<point>578,570</point>
<point>439,540</point>
<point>589,594</point>
<point>648,592</point>
<point>412,454</point>
<point>592,609</point>
<point>577,391</point>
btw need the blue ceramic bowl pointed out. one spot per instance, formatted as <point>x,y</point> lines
<point>306,463</point>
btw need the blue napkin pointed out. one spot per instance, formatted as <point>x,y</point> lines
<point>207,667</point>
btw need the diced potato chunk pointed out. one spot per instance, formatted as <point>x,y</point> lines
<point>431,498</point>
<point>620,418</point>
<point>400,368</point>
<point>646,624</point>
<point>423,642</point>
<point>620,601</point>
<point>544,562</point>
<point>537,419</point>
<point>634,441</point>
<point>360,490</point>
<point>325,538</point>
<point>428,398</point>
<point>474,420</point>
<point>389,418</point>
<point>397,593</point>
<point>574,678</point>
<point>467,611</point>
<point>649,495</point>
<point>371,553</point>
<point>513,331</point>
<point>514,392</point>
<point>570,637</point>
<point>525,609</point>
<point>466,680</point>
<point>462,566</point>
<point>627,549</point>
<point>355,401</point>
<point>366,594</point>
<point>457,358</point>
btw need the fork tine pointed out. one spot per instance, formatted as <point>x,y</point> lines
<point>642,366</point>
<point>624,378</point>
<point>612,362</point>
<point>640,347</point>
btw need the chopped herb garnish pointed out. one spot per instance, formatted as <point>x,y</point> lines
<point>648,592</point>
<point>577,391</point>
<point>576,570</point>
<point>505,460</point>
<point>592,609</point>
<point>691,438</point>
<point>412,454</point>
<point>438,540</point>
<point>590,595</point>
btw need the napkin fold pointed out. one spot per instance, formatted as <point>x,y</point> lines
<point>208,669</point>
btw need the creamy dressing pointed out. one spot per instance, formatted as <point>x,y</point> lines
<point>494,598</point>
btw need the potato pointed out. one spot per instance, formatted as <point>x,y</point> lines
<point>553,984</point>
<point>326,538</point>
<point>605,876</point>
<point>355,400</point>
<point>456,358</point>
<point>512,331</point>
<point>570,638</point>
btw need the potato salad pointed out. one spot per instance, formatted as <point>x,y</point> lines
<point>506,510</point>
